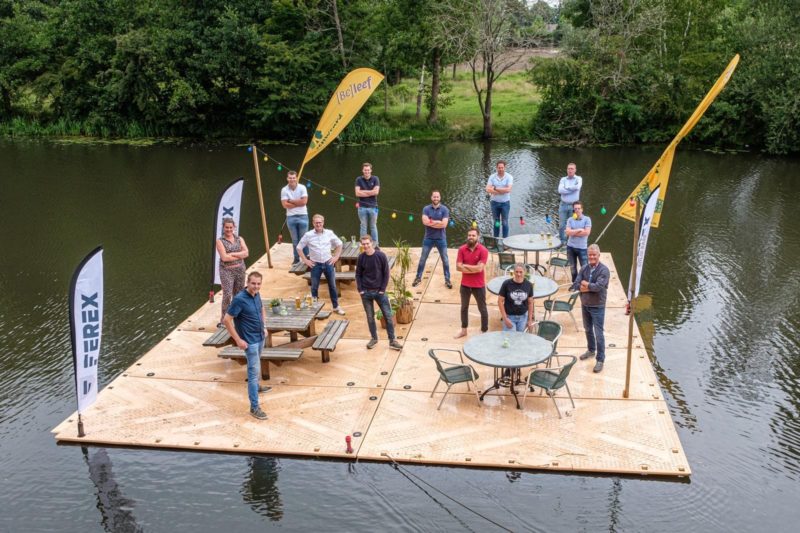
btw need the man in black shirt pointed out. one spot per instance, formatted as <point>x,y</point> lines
<point>367,189</point>
<point>515,300</point>
<point>372,277</point>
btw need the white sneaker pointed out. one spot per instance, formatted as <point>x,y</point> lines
<point>339,311</point>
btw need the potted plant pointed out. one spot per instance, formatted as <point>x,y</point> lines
<point>402,299</point>
<point>275,303</point>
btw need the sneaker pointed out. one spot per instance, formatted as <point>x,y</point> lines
<point>598,367</point>
<point>339,311</point>
<point>448,284</point>
<point>394,345</point>
<point>264,388</point>
<point>586,355</point>
<point>416,282</point>
<point>258,413</point>
<point>371,344</point>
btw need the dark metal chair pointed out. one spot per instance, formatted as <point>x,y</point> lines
<point>452,373</point>
<point>566,306</point>
<point>550,380</point>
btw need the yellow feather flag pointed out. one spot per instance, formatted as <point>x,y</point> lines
<point>348,98</point>
<point>659,174</point>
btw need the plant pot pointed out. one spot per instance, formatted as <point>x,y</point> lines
<point>276,309</point>
<point>405,313</point>
<point>383,321</point>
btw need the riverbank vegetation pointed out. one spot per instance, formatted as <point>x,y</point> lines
<point>627,71</point>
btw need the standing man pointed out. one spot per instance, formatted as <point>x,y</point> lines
<point>578,229</point>
<point>367,189</point>
<point>246,321</point>
<point>570,190</point>
<point>515,301</point>
<point>372,277</point>
<point>319,242</point>
<point>435,217</point>
<point>294,198</point>
<point>592,282</point>
<point>471,262</point>
<point>499,188</point>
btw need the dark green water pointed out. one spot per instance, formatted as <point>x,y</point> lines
<point>722,275</point>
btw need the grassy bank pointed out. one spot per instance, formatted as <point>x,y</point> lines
<point>515,101</point>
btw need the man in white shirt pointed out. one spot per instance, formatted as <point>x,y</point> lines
<point>320,260</point>
<point>499,187</point>
<point>570,190</point>
<point>294,198</point>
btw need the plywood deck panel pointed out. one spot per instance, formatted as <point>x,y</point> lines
<point>179,394</point>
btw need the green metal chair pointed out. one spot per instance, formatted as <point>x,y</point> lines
<point>505,260</point>
<point>558,261</point>
<point>493,244</point>
<point>453,373</point>
<point>555,306</point>
<point>551,331</point>
<point>550,380</point>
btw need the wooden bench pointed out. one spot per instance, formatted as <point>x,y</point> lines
<point>348,276</point>
<point>218,339</point>
<point>299,268</point>
<point>268,355</point>
<point>326,341</point>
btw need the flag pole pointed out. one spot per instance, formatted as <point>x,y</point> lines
<point>261,205</point>
<point>634,263</point>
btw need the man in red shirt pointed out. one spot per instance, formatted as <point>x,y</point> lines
<point>471,262</point>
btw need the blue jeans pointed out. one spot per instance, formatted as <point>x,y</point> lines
<point>564,212</point>
<point>573,256</point>
<point>593,320</point>
<point>316,274</point>
<point>367,299</point>
<point>368,216</point>
<point>253,353</point>
<point>298,226</point>
<point>518,322</point>
<point>441,245</point>
<point>500,209</point>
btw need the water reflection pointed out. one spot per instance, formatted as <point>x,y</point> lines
<point>260,489</point>
<point>116,510</point>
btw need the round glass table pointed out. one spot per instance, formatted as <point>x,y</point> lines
<point>507,352</point>
<point>532,242</point>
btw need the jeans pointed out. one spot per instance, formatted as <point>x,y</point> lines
<point>368,216</point>
<point>564,212</point>
<point>518,322</point>
<point>593,320</point>
<point>367,299</point>
<point>253,353</point>
<point>573,256</point>
<point>316,274</point>
<point>480,298</point>
<point>298,225</point>
<point>500,209</point>
<point>427,245</point>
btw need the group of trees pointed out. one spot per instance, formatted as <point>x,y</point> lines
<point>629,71</point>
<point>232,67</point>
<point>633,71</point>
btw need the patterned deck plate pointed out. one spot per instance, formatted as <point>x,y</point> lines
<point>598,436</point>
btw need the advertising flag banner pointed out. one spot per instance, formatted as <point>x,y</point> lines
<point>86,325</point>
<point>348,98</point>
<point>228,206</point>
<point>644,233</point>
<point>659,174</point>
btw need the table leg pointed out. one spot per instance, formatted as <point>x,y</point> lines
<point>515,372</point>
<point>498,373</point>
<point>293,336</point>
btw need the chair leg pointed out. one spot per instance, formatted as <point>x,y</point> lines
<point>443,397</point>
<point>434,388</point>
<point>552,397</point>
<point>570,395</point>
<point>574,321</point>
<point>527,388</point>
<point>478,396</point>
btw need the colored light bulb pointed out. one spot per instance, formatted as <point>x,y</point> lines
<point>547,218</point>
<point>358,205</point>
<point>266,158</point>
<point>394,215</point>
<point>452,224</point>
<point>575,216</point>
<point>521,221</point>
<point>632,202</point>
<point>411,218</point>
<point>280,167</point>
<point>497,224</point>
<point>341,198</point>
<point>324,191</point>
<point>474,224</point>
<point>308,185</point>
<point>249,148</point>
<point>603,210</point>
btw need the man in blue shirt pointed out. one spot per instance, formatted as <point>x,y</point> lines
<point>592,282</point>
<point>367,189</point>
<point>435,217</point>
<point>570,190</point>
<point>245,320</point>
<point>578,229</point>
<point>499,187</point>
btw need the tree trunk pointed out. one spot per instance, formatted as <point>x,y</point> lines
<point>339,32</point>
<point>433,112</point>
<point>454,70</point>
<point>487,106</point>
<point>420,90</point>
<point>385,93</point>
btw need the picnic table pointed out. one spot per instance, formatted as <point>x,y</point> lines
<point>296,321</point>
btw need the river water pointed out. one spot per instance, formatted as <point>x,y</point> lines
<point>721,288</point>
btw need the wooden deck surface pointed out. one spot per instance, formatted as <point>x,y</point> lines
<point>181,395</point>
